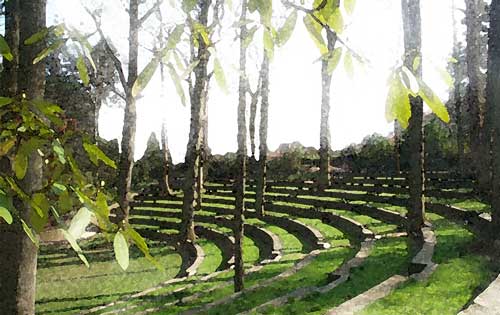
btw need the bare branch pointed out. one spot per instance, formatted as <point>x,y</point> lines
<point>117,63</point>
<point>146,15</point>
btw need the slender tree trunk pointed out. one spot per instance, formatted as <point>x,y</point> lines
<point>18,253</point>
<point>239,210</point>
<point>130,118</point>
<point>200,180</point>
<point>324,138</point>
<point>457,97</point>
<point>493,101</point>
<point>262,166</point>
<point>397,146</point>
<point>194,144</point>
<point>251,126</point>
<point>475,92</point>
<point>416,180</point>
<point>167,191</point>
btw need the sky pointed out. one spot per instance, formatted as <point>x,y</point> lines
<point>357,103</point>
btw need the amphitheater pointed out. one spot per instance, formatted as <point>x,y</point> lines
<point>342,251</point>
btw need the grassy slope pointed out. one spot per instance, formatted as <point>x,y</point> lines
<point>452,284</point>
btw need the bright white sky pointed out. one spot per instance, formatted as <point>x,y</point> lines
<point>358,104</point>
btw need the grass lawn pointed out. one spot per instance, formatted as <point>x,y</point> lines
<point>65,285</point>
<point>450,287</point>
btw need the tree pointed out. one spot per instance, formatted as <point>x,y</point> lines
<point>416,181</point>
<point>493,105</point>
<point>197,96</point>
<point>167,160</point>
<point>19,252</point>
<point>131,85</point>
<point>282,35</point>
<point>478,136</point>
<point>241,156</point>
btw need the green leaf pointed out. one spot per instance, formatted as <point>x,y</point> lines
<point>5,49</point>
<point>220,77</point>
<point>5,101</point>
<point>349,6</point>
<point>120,246</point>
<point>95,154</point>
<point>268,44</point>
<point>35,38</point>
<point>137,239</point>
<point>30,233</point>
<point>79,222</point>
<point>336,21</point>
<point>334,59</point>
<point>82,70</point>
<point>446,76</point>
<point>188,5</point>
<point>145,76</point>
<point>47,51</point>
<point>398,102</point>
<point>177,83</point>
<point>200,29</point>
<point>6,207</point>
<point>39,218</point>
<point>175,37</point>
<point>20,164</point>
<point>59,151</point>
<point>285,32</point>
<point>5,214</point>
<point>65,203</point>
<point>72,241</point>
<point>348,65</point>
<point>433,101</point>
<point>6,146</point>
<point>250,34</point>
<point>314,30</point>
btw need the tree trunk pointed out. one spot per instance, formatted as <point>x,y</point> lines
<point>324,138</point>
<point>493,101</point>
<point>253,116</point>
<point>242,159</point>
<point>475,92</point>
<point>204,151</point>
<point>262,166</point>
<point>167,191</point>
<point>457,97</point>
<point>397,147</point>
<point>192,160</point>
<point>416,180</point>
<point>19,254</point>
<point>130,117</point>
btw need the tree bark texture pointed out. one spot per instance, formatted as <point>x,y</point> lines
<point>325,138</point>
<point>239,270</point>
<point>416,180</point>
<point>167,159</point>
<point>18,253</point>
<point>493,101</point>
<point>130,117</point>
<point>263,126</point>
<point>479,140</point>
<point>193,153</point>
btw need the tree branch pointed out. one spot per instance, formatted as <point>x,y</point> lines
<point>146,15</point>
<point>117,63</point>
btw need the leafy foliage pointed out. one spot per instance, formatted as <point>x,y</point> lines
<point>400,89</point>
<point>33,128</point>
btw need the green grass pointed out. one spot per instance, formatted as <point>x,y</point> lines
<point>64,286</point>
<point>388,258</point>
<point>291,249</point>
<point>450,287</point>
